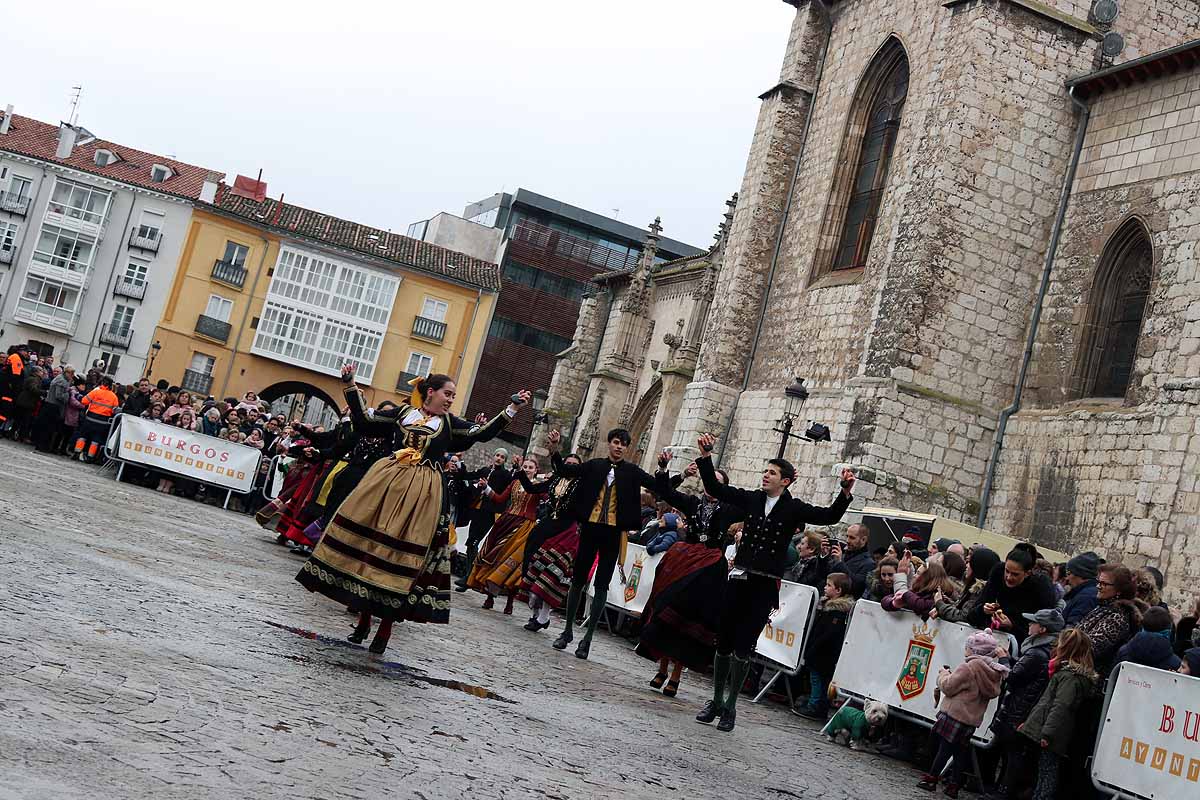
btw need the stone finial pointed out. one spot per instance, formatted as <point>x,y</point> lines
<point>656,228</point>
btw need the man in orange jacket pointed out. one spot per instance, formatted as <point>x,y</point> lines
<point>101,404</point>
<point>10,385</point>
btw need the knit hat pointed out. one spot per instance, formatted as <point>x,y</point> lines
<point>944,543</point>
<point>982,643</point>
<point>1192,657</point>
<point>1085,565</point>
<point>1049,618</point>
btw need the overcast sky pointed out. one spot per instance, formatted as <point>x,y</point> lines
<point>389,112</point>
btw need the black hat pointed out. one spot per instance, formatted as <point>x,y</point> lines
<point>1085,565</point>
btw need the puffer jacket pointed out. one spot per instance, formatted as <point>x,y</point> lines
<point>1053,718</point>
<point>1026,681</point>
<point>828,631</point>
<point>1151,650</point>
<point>967,691</point>
<point>1079,602</point>
<point>1109,625</point>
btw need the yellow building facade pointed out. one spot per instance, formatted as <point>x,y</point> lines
<point>258,304</point>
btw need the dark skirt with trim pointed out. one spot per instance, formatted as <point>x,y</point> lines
<point>950,729</point>
<point>387,549</point>
<point>685,606</point>
<point>551,568</point>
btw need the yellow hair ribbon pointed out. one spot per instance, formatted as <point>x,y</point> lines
<point>415,400</point>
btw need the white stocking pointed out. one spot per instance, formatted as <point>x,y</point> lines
<point>543,614</point>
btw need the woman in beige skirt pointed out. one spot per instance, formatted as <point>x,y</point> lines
<point>385,552</point>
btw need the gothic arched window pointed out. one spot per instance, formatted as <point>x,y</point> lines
<point>1117,305</point>
<point>863,164</point>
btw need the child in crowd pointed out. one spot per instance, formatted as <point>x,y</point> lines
<point>825,643</point>
<point>1026,682</point>
<point>920,597</point>
<point>1051,723</point>
<point>1151,646</point>
<point>668,534</point>
<point>1190,663</point>
<point>966,693</point>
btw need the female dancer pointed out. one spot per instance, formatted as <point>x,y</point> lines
<point>498,568</point>
<point>550,552</point>
<point>680,621</point>
<point>386,550</point>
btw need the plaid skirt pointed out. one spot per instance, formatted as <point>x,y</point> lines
<point>951,729</point>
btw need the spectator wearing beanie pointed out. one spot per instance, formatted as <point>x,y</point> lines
<point>1191,663</point>
<point>1151,646</point>
<point>1081,577</point>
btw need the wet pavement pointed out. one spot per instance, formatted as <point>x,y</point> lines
<point>155,647</point>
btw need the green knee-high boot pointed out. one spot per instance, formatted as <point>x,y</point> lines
<point>712,709</point>
<point>573,596</point>
<point>599,604</point>
<point>737,676</point>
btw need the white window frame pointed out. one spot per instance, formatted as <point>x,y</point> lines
<point>8,235</point>
<point>167,173</point>
<point>421,358</point>
<point>78,203</point>
<point>439,309</point>
<point>150,224</point>
<point>12,182</point>
<point>323,314</point>
<point>203,363</point>
<point>137,272</point>
<point>223,307</point>
<point>238,249</point>
<point>60,316</point>
<point>72,263</point>
<point>121,321</point>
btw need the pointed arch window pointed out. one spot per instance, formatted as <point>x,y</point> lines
<point>1117,307</point>
<point>865,159</point>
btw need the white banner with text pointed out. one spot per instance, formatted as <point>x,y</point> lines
<point>894,657</point>
<point>784,637</point>
<point>1149,742</point>
<point>185,453</point>
<point>632,581</point>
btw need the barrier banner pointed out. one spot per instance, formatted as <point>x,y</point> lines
<point>895,658</point>
<point>1149,741</point>
<point>629,589</point>
<point>785,635</point>
<point>185,453</point>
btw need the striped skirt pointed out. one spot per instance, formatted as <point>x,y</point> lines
<point>386,550</point>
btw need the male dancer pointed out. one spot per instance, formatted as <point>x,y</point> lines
<point>606,501</point>
<point>773,516</point>
<point>483,510</point>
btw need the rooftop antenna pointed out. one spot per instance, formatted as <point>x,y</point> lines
<point>77,92</point>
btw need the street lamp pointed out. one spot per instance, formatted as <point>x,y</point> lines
<point>154,348</point>
<point>793,397</point>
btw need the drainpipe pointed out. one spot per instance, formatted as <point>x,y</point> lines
<point>110,280</point>
<point>787,210</point>
<point>462,357</point>
<point>245,314</point>
<point>1055,234</point>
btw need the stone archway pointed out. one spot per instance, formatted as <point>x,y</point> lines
<point>642,420</point>
<point>297,399</point>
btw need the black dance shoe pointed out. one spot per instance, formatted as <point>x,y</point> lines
<point>710,712</point>
<point>562,641</point>
<point>360,633</point>
<point>533,626</point>
<point>728,718</point>
<point>584,649</point>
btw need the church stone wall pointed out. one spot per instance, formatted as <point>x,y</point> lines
<point>1119,477</point>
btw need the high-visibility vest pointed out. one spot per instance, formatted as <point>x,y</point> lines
<point>101,402</point>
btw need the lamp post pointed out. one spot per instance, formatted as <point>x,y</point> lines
<point>540,397</point>
<point>154,348</point>
<point>794,397</point>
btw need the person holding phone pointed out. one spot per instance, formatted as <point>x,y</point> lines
<point>386,550</point>
<point>772,517</point>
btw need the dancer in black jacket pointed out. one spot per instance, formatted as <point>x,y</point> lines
<point>606,502</point>
<point>773,516</point>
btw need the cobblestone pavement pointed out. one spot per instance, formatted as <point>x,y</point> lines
<point>141,656</point>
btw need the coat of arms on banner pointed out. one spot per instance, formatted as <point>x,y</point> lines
<point>917,662</point>
<point>635,577</point>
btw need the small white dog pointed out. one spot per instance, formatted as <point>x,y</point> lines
<point>857,723</point>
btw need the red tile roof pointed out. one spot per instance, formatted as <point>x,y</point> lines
<point>35,139</point>
<point>374,242</point>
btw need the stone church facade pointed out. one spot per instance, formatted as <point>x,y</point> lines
<point>971,226</point>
